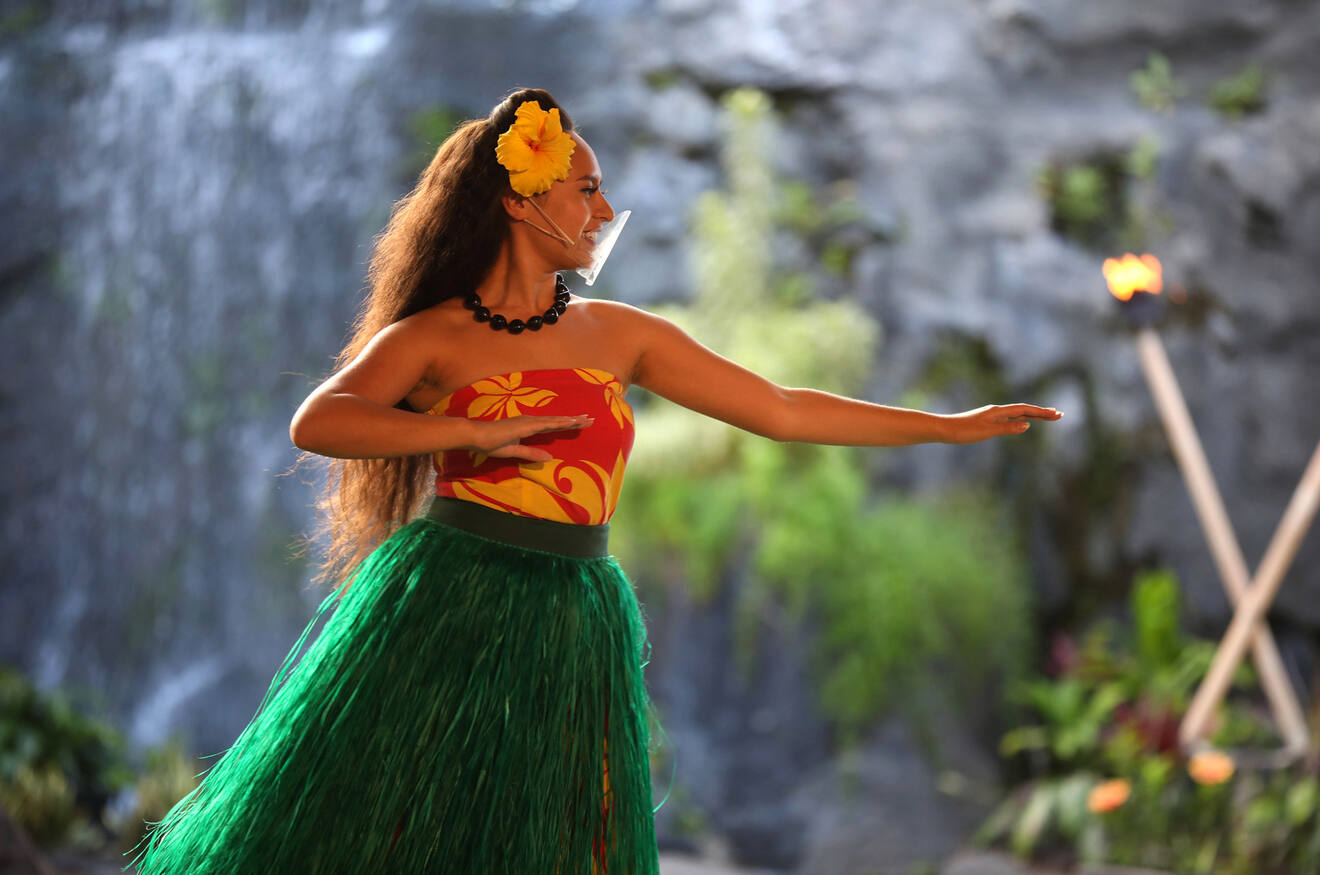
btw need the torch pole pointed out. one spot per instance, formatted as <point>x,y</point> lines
<point>1283,547</point>
<point>1227,555</point>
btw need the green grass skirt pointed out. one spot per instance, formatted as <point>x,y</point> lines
<point>456,714</point>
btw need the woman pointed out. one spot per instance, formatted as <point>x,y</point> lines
<point>475,702</point>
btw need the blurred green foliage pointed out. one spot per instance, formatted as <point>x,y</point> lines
<point>169,775</point>
<point>1112,712</point>
<point>1141,160</point>
<point>428,128</point>
<point>223,12</point>
<point>1087,199</point>
<point>1156,86</point>
<point>41,801</point>
<point>659,80</point>
<point>1095,201</point>
<point>58,767</point>
<point>1240,95</point>
<point>899,588</point>
<point>24,18</point>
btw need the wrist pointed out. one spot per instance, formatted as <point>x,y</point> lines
<point>456,433</point>
<point>941,428</point>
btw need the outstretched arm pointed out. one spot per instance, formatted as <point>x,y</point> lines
<point>673,365</point>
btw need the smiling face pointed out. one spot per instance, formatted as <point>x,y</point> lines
<point>576,206</point>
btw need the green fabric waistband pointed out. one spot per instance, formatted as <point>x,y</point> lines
<point>566,539</point>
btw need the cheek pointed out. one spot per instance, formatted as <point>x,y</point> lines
<point>582,212</point>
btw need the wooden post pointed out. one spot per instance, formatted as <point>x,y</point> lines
<point>1278,556</point>
<point>1224,549</point>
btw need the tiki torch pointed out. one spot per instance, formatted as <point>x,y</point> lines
<point>1136,282</point>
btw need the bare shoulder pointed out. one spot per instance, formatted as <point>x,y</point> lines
<point>622,332</point>
<point>618,316</point>
<point>411,345</point>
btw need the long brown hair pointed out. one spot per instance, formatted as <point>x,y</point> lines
<point>441,240</point>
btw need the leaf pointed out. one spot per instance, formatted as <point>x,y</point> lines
<point>997,825</point>
<point>1300,803</point>
<point>1024,738</point>
<point>1071,802</point>
<point>1262,812</point>
<point>1035,817</point>
<point>1105,700</point>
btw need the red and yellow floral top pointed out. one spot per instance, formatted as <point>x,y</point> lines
<point>581,484</point>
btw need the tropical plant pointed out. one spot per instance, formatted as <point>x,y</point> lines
<point>1108,782</point>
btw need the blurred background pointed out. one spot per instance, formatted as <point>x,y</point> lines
<point>934,659</point>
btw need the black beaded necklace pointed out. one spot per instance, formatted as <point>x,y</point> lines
<point>515,326</point>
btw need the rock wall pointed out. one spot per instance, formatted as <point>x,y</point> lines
<point>190,194</point>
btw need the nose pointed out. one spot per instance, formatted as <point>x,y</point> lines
<point>607,213</point>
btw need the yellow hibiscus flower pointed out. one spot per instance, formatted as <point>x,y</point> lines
<point>535,149</point>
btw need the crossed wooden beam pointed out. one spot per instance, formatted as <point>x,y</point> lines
<point>1251,597</point>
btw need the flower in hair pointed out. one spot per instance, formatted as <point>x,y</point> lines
<point>535,150</point>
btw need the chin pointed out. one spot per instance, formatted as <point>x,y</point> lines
<point>577,262</point>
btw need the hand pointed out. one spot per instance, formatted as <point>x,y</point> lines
<point>994,420</point>
<point>502,438</point>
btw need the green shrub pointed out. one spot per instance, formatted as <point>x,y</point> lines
<point>1109,721</point>
<point>40,799</point>
<point>58,767</point>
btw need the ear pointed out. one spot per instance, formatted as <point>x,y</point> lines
<point>515,206</point>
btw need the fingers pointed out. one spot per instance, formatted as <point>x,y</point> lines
<point>1019,412</point>
<point>507,434</point>
<point>536,424</point>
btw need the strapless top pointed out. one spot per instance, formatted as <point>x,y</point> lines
<point>581,483</point>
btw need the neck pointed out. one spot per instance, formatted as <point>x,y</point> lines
<point>517,285</point>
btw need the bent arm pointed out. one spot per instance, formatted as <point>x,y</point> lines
<point>352,414</point>
<point>347,426</point>
<point>675,366</point>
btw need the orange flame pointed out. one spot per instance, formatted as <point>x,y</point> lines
<point>1131,274</point>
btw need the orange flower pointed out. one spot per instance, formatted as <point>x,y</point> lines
<point>535,150</point>
<point>1210,767</point>
<point>1108,796</point>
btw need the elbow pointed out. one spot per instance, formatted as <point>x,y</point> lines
<point>781,421</point>
<point>298,434</point>
<point>302,431</point>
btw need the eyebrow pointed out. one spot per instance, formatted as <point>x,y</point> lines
<point>593,177</point>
